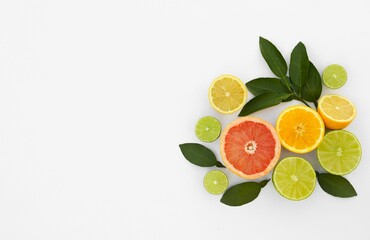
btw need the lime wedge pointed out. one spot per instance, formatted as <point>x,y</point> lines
<point>334,76</point>
<point>208,129</point>
<point>294,178</point>
<point>339,152</point>
<point>215,182</point>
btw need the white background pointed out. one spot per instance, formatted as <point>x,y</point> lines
<point>96,96</point>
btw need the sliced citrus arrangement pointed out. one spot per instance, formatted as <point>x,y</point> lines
<point>227,94</point>
<point>294,178</point>
<point>334,76</point>
<point>339,152</point>
<point>250,147</point>
<point>300,129</point>
<point>336,111</point>
<point>215,182</point>
<point>208,129</point>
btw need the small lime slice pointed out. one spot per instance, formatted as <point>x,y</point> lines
<point>208,129</point>
<point>294,178</point>
<point>339,152</point>
<point>334,76</point>
<point>215,182</point>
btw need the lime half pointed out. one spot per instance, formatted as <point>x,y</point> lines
<point>215,182</point>
<point>294,178</point>
<point>334,76</point>
<point>339,152</point>
<point>208,129</point>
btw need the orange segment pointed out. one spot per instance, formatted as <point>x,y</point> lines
<point>336,111</point>
<point>300,129</point>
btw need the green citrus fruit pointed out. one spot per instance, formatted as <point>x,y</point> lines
<point>339,152</point>
<point>208,129</point>
<point>294,178</point>
<point>334,76</point>
<point>215,182</point>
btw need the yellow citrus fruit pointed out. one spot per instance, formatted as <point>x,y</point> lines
<point>336,111</point>
<point>300,129</point>
<point>227,94</point>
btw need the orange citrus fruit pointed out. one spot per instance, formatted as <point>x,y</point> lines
<point>300,129</point>
<point>336,111</point>
<point>250,147</point>
<point>227,94</point>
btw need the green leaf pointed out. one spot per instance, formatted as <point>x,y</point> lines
<point>298,68</point>
<point>199,155</point>
<point>288,98</point>
<point>273,58</point>
<point>336,185</point>
<point>241,194</point>
<point>286,82</point>
<point>260,102</point>
<point>264,85</point>
<point>264,183</point>
<point>313,88</point>
<point>220,165</point>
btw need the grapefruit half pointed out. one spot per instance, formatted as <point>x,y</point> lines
<point>250,147</point>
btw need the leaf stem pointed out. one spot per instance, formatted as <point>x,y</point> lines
<point>304,102</point>
<point>296,97</point>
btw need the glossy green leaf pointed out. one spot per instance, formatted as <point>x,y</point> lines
<point>311,91</point>
<point>288,98</point>
<point>298,68</point>
<point>265,100</point>
<point>241,194</point>
<point>286,82</point>
<point>264,183</point>
<point>336,185</point>
<point>199,155</point>
<point>264,85</point>
<point>273,58</point>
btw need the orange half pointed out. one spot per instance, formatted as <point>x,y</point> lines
<point>300,129</point>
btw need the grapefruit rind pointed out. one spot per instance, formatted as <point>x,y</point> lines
<point>273,161</point>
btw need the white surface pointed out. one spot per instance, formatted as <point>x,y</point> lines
<point>95,97</point>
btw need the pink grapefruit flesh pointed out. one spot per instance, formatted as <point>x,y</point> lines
<point>250,147</point>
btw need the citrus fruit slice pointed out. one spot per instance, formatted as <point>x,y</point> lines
<point>294,178</point>
<point>250,147</point>
<point>339,152</point>
<point>300,129</point>
<point>215,182</point>
<point>208,129</point>
<point>336,111</point>
<point>227,94</point>
<point>334,76</point>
